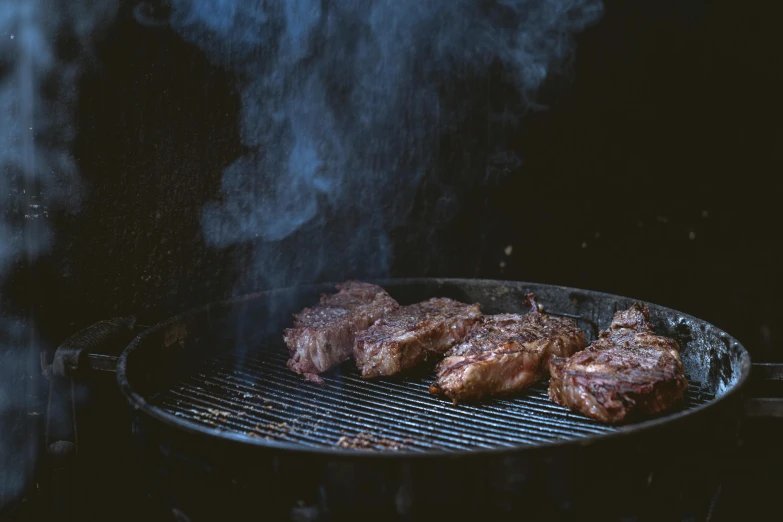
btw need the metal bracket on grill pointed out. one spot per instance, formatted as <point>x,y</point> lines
<point>766,407</point>
<point>768,371</point>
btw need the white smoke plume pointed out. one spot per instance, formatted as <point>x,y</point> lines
<point>44,47</point>
<point>342,110</point>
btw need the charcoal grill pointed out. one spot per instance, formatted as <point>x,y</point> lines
<point>224,426</point>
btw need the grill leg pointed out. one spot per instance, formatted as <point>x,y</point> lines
<point>62,456</point>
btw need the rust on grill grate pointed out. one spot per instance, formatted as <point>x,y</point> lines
<point>259,397</point>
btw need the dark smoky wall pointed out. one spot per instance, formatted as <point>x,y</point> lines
<point>648,165</point>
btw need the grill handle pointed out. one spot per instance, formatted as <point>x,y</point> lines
<point>765,375</point>
<point>95,347</point>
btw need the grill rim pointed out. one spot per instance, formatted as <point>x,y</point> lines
<point>139,404</point>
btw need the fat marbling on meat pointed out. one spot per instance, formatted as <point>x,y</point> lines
<point>628,372</point>
<point>323,336</point>
<point>412,335</point>
<point>505,353</point>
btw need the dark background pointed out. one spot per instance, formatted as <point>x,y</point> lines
<point>654,173</point>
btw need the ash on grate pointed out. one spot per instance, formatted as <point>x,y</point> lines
<point>368,441</point>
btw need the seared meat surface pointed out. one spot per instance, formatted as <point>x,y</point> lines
<point>323,336</point>
<point>505,353</point>
<point>411,335</point>
<point>628,372</point>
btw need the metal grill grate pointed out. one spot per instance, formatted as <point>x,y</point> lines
<point>260,397</point>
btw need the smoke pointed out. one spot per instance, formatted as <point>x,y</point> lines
<point>44,46</point>
<point>343,107</point>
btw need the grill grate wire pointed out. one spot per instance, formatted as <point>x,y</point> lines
<point>259,397</point>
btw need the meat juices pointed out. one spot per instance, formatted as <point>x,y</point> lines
<point>505,353</point>
<point>412,335</point>
<point>323,336</point>
<point>629,371</point>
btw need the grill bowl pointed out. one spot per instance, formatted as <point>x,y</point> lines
<point>212,398</point>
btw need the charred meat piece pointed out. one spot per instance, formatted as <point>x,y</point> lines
<point>628,372</point>
<point>323,336</point>
<point>411,335</point>
<point>505,353</point>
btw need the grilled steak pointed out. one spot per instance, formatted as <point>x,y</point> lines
<point>629,371</point>
<point>411,335</point>
<point>505,353</point>
<point>323,336</point>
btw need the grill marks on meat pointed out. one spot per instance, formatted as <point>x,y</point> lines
<point>628,372</point>
<point>323,336</point>
<point>506,353</point>
<point>411,335</point>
